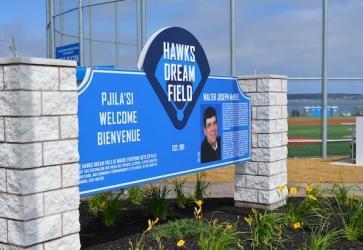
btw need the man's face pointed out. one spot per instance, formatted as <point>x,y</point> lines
<point>210,130</point>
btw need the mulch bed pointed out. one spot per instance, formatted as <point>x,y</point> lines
<point>94,235</point>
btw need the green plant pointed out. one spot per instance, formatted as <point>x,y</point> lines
<point>322,238</point>
<point>266,229</point>
<point>352,220</point>
<point>155,201</point>
<point>178,229</point>
<point>341,194</point>
<point>136,195</point>
<point>139,243</point>
<point>108,205</point>
<point>201,186</point>
<point>215,236</point>
<point>181,200</point>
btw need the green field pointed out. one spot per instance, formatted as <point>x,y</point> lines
<point>313,131</point>
<point>314,150</point>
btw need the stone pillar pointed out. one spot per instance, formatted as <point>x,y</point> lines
<point>257,182</point>
<point>39,196</point>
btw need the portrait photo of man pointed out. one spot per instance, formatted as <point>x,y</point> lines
<point>210,149</point>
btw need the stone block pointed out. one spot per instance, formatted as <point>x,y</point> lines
<point>284,113</point>
<point>70,175</point>
<point>263,99</point>
<point>254,113</point>
<point>248,85</point>
<point>263,126</point>
<point>3,231</point>
<point>278,153</point>
<point>31,129</point>
<point>269,112</point>
<point>69,126</point>
<point>281,125</point>
<point>245,194</point>
<point>20,103</point>
<point>239,181</point>
<point>30,77</point>
<point>13,247</point>
<point>1,77</point>
<point>21,156</point>
<point>280,98</point>
<point>284,85</point>
<point>254,140</point>
<point>67,78</point>
<point>21,207</point>
<point>60,152</point>
<point>268,85</point>
<point>34,231</point>
<point>257,182</point>
<point>271,168</point>
<point>261,154</point>
<point>59,103</point>
<point>271,196</point>
<point>2,129</point>
<point>246,168</point>
<point>70,242</point>
<point>284,139</point>
<point>2,180</point>
<point>71,222</point>
<point>270,140</point>
<point>61,200</point>
<point>33,180</point>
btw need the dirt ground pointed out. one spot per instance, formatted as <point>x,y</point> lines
<point>299,171</point>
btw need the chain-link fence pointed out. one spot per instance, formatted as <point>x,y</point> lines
<point>273,37</point>
<point>305,123</point>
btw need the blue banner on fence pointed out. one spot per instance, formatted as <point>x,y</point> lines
<point>133,130</point>
<point>68,52</point>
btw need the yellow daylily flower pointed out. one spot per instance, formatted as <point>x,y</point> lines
<point>297,225</point>
<point>293,191</point>
<point>151,224</point>
<point>254,211</point>
<point>229,226</point>
<point>199,203</point>
<point>282,187</point>
<point>248,220</point>
<point>180,243</point>
<point>309,188</point>
<point>311,197</point>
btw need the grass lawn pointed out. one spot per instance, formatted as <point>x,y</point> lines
<point>314,150</point>
<point>313,131</point>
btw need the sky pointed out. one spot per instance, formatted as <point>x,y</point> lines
<point>273,36</point>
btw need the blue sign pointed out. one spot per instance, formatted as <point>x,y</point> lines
<point>68,52</point>
<point>170,119</point>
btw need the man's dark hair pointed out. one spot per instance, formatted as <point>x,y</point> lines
<point>208,113</point>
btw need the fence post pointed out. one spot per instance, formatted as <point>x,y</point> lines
<point>39,196</point>
<point>257,182</point>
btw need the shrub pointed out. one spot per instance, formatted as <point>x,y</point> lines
<point>156,203</point>
<point>214,236</point>
<point>322,239</point>
<point>352,220</point>
<point>266,229</point>
<point>181,200</point>
<point>178,229</point>
<point>136,195</point>
<point>341,194</point>
<point>108,205</point>
<point>201,186</point>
